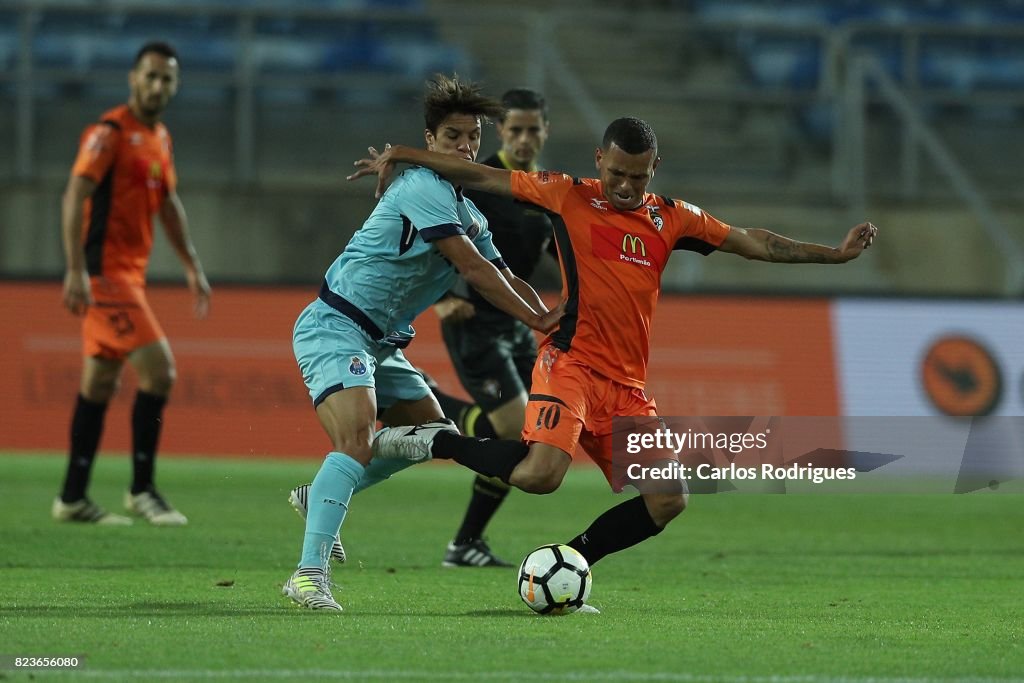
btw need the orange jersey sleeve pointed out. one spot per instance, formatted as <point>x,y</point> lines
<point>543,188</point>
<point>696,229</point>
<point>96,151</point>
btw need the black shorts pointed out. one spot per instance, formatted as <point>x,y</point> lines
<point>493,356</point>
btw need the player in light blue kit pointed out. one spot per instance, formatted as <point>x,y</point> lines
<point>349,341</point>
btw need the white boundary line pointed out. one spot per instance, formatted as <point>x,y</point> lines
<point>426,675</point>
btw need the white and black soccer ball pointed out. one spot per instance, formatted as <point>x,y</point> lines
<point>554,579</point>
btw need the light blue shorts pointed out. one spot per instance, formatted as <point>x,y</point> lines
<point>334,353</point>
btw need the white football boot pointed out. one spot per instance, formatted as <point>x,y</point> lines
<point>311,589</point>
<point>152,506</point>
<point>410,442</point>
<point>87,512</point>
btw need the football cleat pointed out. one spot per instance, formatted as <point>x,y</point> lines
<point>311,589</point>
<point>410,442</point>
<point>587,609</point>
<point>473,554</point>
<point>86,511</point>
<point>152,506</point>
<point>299,499</point>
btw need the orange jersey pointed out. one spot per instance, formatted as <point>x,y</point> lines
<point>133,168</point>
<point>612,263</point>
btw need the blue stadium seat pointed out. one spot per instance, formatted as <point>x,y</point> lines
<point>416,60</point>
<point>933,11</point>
<point>773,59</point>
<point>77,42</point>
<point>970,64</point>
<point>70,39</point>
<point>9,41</point>
<point>782,62</point>
<point>309,46</point>
<point>752,11</point>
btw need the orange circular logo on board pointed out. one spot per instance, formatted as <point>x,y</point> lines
<point>961,377</point>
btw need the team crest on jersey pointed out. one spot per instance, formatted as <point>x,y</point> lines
<point>357,366</point>
<point>154,175</point>
<point>656,218</point>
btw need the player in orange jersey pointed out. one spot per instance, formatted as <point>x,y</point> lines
<point>123,174</point>
<point>614,239</point>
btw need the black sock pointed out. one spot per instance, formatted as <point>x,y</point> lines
<point>147,418</point>
<point>622,526</point>
<point>485,501</point>
<point>86,429</point>
<point>489,457</point>
<point>469,418</point>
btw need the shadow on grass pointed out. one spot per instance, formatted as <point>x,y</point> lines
<point>190,609</point>
<point>501,613</point>
<point>148,609</point>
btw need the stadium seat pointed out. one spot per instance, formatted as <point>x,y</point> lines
<point>970,65</point>
<point>784,62</point>
<point>76,42</point>
<point>9,41</point>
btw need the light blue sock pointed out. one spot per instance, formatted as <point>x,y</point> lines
<point>378,470</point>
<point>329,496</point>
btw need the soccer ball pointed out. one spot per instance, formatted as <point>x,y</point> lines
<point>554,579</point>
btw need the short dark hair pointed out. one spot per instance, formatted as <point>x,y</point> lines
<point>524,98</point>
<point>631,135</point>
<point>157,46</point>
<point>447,95</point>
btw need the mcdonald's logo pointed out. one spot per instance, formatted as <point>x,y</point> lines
<point>633,243</point>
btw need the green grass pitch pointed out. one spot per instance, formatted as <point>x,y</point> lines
<point>741,588</point>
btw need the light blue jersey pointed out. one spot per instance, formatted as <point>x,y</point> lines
<point>389,273</point>
<point>389,270</point>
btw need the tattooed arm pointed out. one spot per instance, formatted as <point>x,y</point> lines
<point>763,245</point>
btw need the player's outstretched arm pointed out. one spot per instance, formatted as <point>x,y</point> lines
<point>486,279</point>
<point>456,171</point>
<point>524,290</point>
<point>763,245</point>
<point>172,216</point>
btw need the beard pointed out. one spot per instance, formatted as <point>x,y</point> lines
<point>151,106</point>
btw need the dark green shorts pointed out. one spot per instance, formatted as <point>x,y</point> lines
<point>493,356</point>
